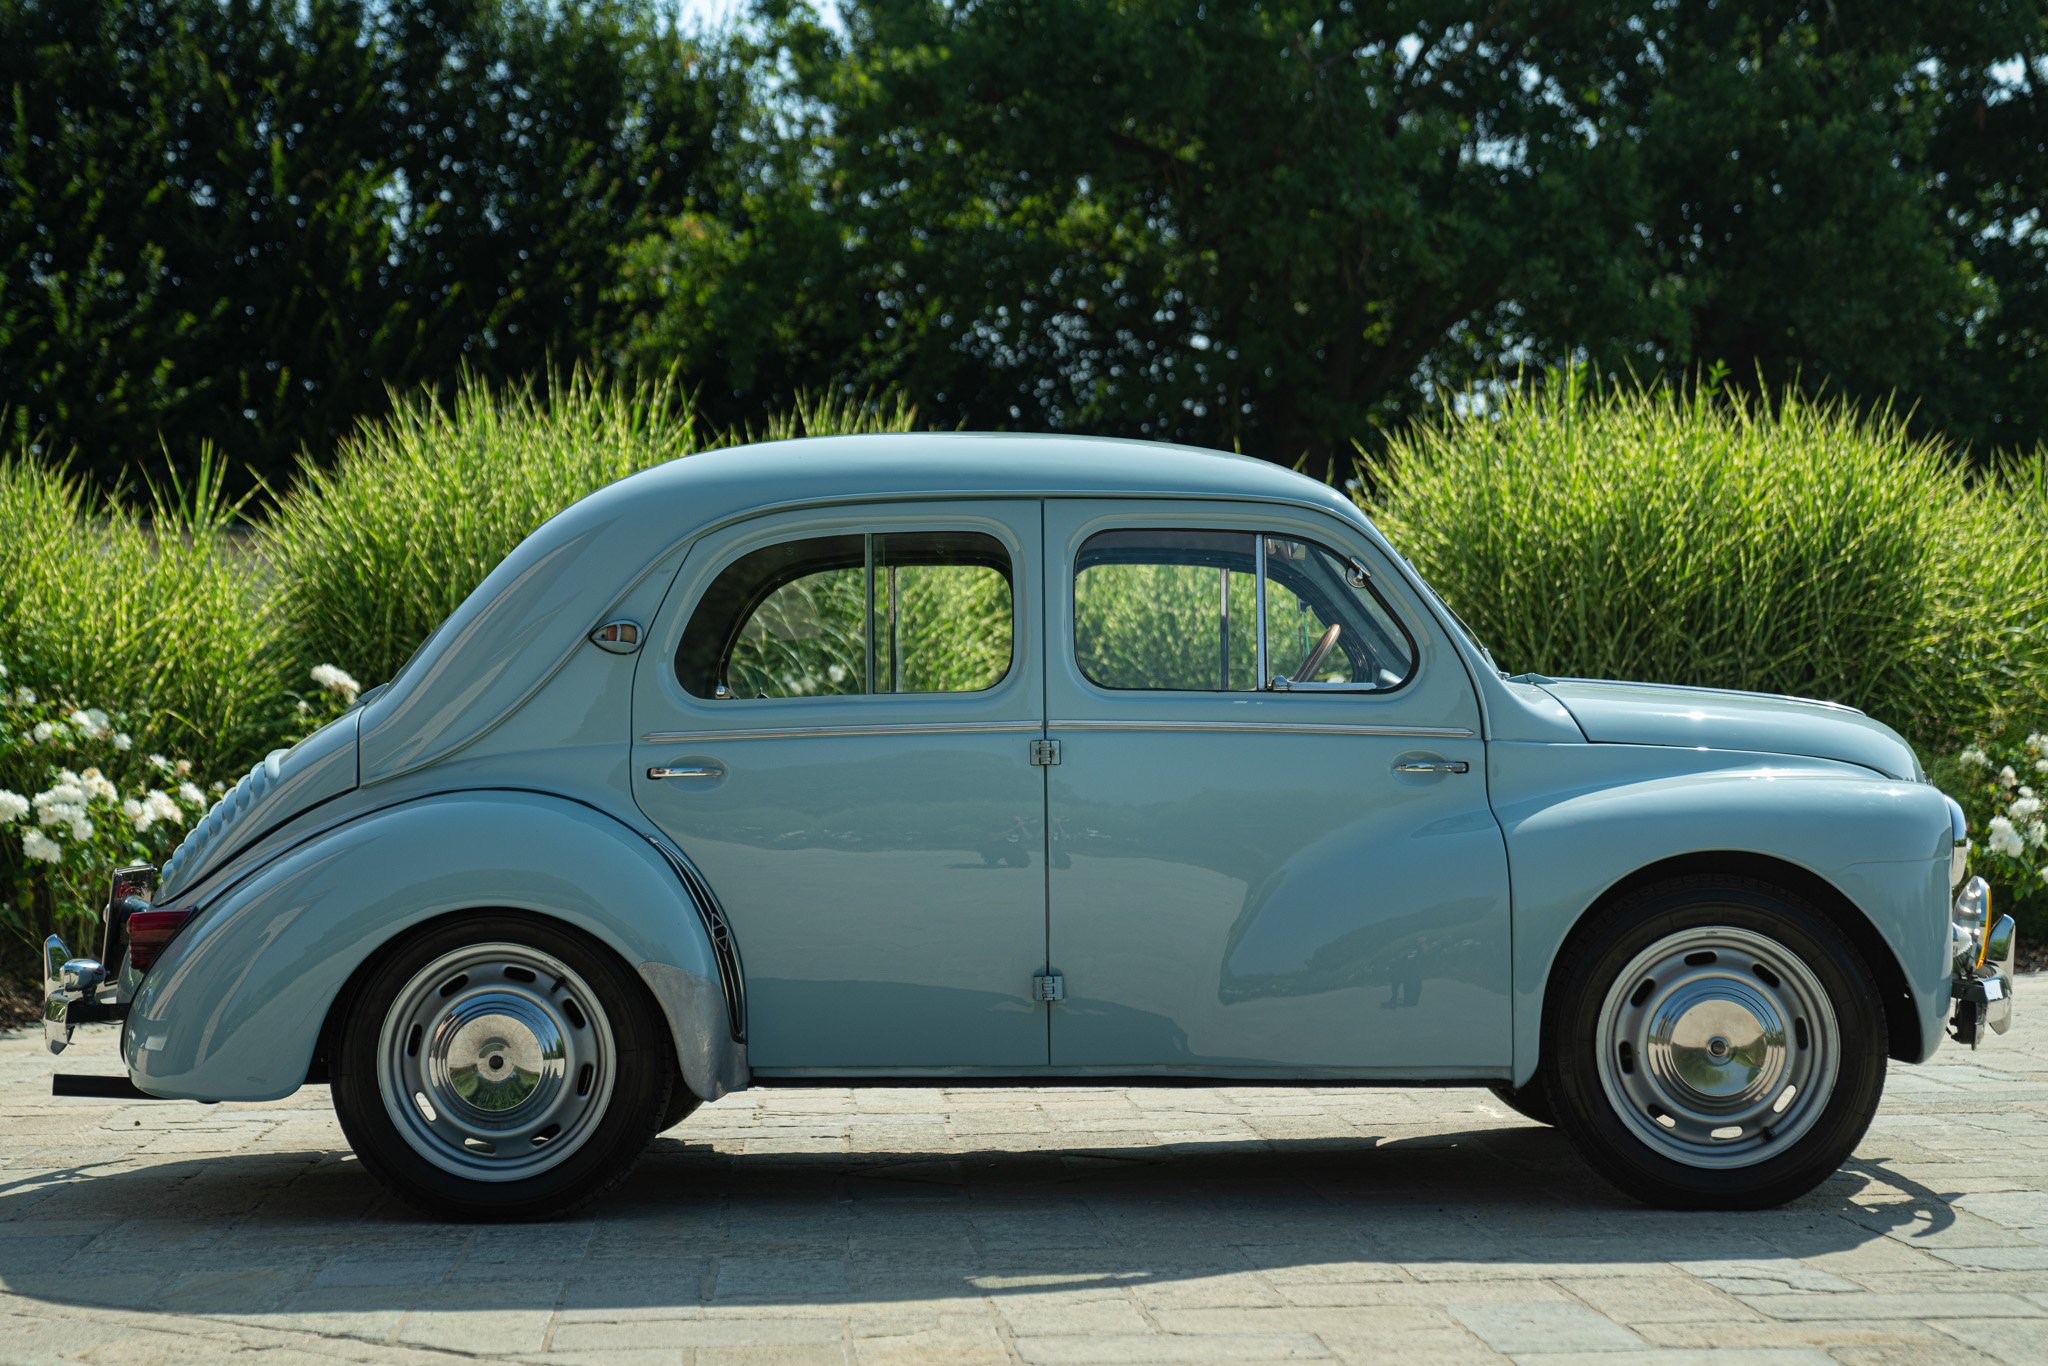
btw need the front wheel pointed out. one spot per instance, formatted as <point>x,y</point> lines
<point>501,1066</point>
<point>1713,1043</point>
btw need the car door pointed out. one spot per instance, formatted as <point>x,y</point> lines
<point>833,720</point>
<point>1247,878</point>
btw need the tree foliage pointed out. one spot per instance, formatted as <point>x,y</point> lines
<point>1286,225</point>
<point>243,220</point>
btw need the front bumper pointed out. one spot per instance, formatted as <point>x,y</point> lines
<point>1981,984</point>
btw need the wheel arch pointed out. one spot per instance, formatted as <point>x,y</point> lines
<point>1902,1016</point>
<point>250,995</point>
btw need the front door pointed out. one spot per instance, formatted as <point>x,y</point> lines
<point>833,720</point>
<point>1271,846</point>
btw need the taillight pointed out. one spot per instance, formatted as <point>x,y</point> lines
<point>148,932</point>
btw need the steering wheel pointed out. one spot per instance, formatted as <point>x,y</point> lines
<point>1314,660</point>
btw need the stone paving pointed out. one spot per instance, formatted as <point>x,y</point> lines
<point>1070,1225</point>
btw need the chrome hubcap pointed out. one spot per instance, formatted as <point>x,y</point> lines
<point>1718,1047</point>
<point>496,1062</point>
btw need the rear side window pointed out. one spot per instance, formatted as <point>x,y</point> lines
<point>1224,611</point>
<point>824,616</point>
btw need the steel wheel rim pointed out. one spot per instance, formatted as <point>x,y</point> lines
<point>1718,1047</point>
<point>495,1062</point>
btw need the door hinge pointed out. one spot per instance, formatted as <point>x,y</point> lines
<point>1049,986</point>
<point>1045,753</point>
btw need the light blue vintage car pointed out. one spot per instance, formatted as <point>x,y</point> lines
<point>1043,759</point>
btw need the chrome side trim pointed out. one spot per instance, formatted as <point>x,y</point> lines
<point>1275,727</point>
<point>677,737</point>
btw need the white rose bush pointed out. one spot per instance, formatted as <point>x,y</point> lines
<point>77,800</point>
<point>2003,786</point>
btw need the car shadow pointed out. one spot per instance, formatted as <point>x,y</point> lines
<point>311,1232</point>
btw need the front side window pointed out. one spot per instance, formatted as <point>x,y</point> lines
<point>1180,611</point>
<point>893,612</point>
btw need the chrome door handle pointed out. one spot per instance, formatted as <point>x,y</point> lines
<point>701,771</point>
<point>1433,766</point>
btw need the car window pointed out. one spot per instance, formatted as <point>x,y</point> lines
<point>900,612</point>
<point>1178,610</point>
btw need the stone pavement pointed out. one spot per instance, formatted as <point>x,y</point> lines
<point>1071,1225</point>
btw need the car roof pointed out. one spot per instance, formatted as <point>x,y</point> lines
<point>510,635</point>
<point>740,480</point>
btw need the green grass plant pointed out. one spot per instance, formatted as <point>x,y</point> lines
<point>1798,548</point>
<point>376,548</point>
<point>155,607</point>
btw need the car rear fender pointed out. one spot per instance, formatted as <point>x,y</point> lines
<point>235,1007</point>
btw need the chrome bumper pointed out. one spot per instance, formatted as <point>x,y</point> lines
<point>1981,984</point>
<point>73,994</point>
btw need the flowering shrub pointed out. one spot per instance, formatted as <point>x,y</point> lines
<point>76,802</point>
<point>2001,785</point>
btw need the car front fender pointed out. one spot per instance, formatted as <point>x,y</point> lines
<point>1582,819</point>
<point>234,1008</point>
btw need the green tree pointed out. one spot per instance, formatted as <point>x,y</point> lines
<point>1287,225</point>
<point>244,220</point>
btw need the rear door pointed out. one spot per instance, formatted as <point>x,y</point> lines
<point>833,720</point>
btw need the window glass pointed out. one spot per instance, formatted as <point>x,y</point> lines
<point>911,612</point>
<point>1169,610</point>
<point>1178,611</point>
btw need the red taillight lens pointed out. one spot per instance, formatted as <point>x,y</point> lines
<point>149,931</point>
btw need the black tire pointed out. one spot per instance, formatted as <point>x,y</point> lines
<point>610,1131</point>
<point>1530,1102</point>
<point>682,1103</point>
<point>1764,922</point>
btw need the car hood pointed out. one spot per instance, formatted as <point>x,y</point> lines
<point>1714,718</point>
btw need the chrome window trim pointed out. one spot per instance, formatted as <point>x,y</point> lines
<point>677,737</point>
<point>1278,727</point>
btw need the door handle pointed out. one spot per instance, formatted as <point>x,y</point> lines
<point>696,771</point>
<point>1433,766</point>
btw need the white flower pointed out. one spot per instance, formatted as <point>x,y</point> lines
<point>161,805</point>
<point>123,742</point>
<point>159,763</point>
<point>59,813</point>
<point>836,672</point>
<point>2041,765</point>
<point>139,815</point>
<point>182,767</point>
<point>2006,777</point>
<point>334,680</point>
<point>2037,742</point>
<point>92,722</point>
<point>303,707</point>
<point>37,845</point>
<point>43,731</point>
<point>13,806</point>
<point>2001,838</point>
<point>25,697</point>
<point>81,829</point>
<point>2026,808</point>
<point>3,671</point>
<point>97,787</point>
<point>1974,757</point>
<point>2037,834</point>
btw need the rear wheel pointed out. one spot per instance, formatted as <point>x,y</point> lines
<point>1713,1043</point>
<point>501,1066</point>
<point>682,1103</point>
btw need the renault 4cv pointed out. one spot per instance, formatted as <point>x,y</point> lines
<point>1045,760</point>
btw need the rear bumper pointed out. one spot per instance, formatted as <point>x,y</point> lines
<point>75,992</point>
